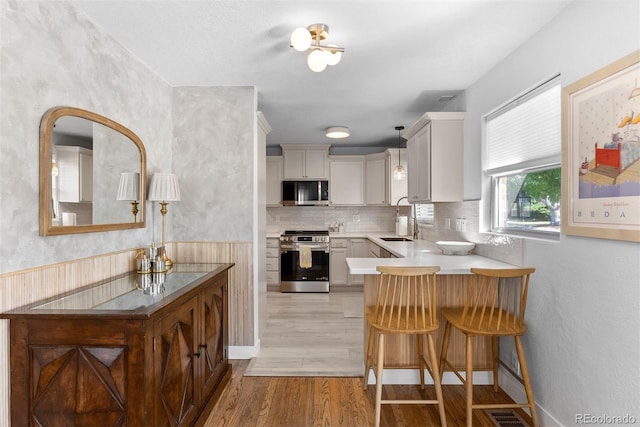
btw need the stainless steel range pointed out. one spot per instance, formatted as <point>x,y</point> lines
<point>304,261</point>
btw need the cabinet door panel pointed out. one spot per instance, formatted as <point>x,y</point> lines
<point>338,266</point>
<point>315,164</point>
<point>214,348</point>
<point>175,336</point>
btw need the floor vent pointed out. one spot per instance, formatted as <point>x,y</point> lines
<point>506,418</point>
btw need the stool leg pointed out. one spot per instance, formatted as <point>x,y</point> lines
<point>379,369</point>
<point>469,379</point>
<point>367,357</point>
<point>526,380</point>
<point>495,354</point>
<point>445,346</point>
<point>437,379</point>
<point>421,359</point>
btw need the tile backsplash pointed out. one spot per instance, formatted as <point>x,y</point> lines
<point>452,221</point>
<point>354,218</point>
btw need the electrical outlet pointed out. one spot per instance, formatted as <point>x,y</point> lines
<point>356,218</point>
<point>447,223</point>
<point>463,224</point>
<point>458,224</point>
<point>277,218</point>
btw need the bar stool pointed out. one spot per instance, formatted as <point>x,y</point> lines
<point>495,306</point>
<point>405,304</point>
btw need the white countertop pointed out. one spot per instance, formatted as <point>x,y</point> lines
<point>421,253</point>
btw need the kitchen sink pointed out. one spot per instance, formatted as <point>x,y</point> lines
<point>396,239</point>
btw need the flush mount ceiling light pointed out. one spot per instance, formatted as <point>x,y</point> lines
<point>399,173</point>
<point>337,132</point>
<point>308,39</point>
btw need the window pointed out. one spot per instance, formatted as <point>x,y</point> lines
<point>523,155</point>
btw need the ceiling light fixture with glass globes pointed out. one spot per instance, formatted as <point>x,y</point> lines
<point>308,39</point>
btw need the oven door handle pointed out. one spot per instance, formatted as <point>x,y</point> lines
<point>314,248</point>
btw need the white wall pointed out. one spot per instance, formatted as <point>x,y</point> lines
<point>583,343</point>
<point>52,56</point>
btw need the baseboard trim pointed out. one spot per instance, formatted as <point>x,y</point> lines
<point>514,388</point>
<point>244,352</point>
<point>412,376</point>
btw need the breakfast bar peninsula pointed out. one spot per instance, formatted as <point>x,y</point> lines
<point>453,280</point>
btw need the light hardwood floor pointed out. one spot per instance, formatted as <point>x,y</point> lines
<point>338,402</point>
<point>309,373</point>
<point>311,335</point>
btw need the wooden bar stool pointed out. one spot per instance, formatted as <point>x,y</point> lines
<point>405,304</point>
<point>495,306</point>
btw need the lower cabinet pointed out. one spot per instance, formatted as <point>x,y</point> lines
<point>341,249</point>
<point>161,365</point>
<point>273,264</point>
<point>338,262</point>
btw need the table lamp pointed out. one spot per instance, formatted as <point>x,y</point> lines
<point>164,188</point>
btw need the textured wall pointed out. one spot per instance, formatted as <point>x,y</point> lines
<point>214,149</point>
<point>51,56</point>
<point>582,345</point>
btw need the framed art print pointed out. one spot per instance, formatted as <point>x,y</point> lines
<point>601,153</point>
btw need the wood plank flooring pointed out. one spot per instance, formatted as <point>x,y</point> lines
<point>293,383</point>
<point>311,335</point>
<point>332,402</point>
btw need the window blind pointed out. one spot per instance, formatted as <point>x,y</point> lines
<point>525,133</point>
<point>424,212</point>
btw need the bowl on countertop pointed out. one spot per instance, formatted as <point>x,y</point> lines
<point>455,248</point>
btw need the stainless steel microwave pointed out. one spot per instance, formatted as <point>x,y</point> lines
<point>305,193</point>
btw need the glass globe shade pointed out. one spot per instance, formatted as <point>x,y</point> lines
<point>399,173</point>
<point>332,57</point>
<point>301,39</point>
<point>316,61</point>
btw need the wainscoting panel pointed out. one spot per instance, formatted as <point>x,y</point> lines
<point>241,304</point>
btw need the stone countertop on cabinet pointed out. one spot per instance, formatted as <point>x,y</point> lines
<point>421,253</point>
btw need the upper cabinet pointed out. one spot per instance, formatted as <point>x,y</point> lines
<point>305,161</point>
<point>274,180</point>
<point>376,179</point>
<point>346,185</point>
<point>435,158</point>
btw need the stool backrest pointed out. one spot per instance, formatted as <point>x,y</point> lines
<point>497,299</point>
<point>406,298</point>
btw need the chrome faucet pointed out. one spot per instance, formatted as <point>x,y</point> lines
<point>416,230</point>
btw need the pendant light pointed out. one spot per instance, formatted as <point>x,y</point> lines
<point>399,173</point>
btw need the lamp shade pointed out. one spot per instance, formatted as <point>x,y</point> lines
<point>129,186</point>
<point>164,188</point>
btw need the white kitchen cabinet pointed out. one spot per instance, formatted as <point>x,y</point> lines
<point>338,271</point>
<point>75,173</point>
<point>396,188</point>
<point>435,158</point>
<point>358,248</point>
<point>346,182</point>
<point>376,178</point>
<point>305,161</point>
<point>273,263</point>
<point>274,180</point>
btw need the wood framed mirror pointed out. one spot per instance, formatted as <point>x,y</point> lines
<point>92,174</point>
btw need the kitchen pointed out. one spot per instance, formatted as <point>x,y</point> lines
<point>565,343</point>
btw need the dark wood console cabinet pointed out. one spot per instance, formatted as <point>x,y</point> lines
<point>136,350</point>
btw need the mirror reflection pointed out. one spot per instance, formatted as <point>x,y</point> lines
<point>92,173</point>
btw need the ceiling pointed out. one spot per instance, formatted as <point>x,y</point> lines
<point>400,57</point>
